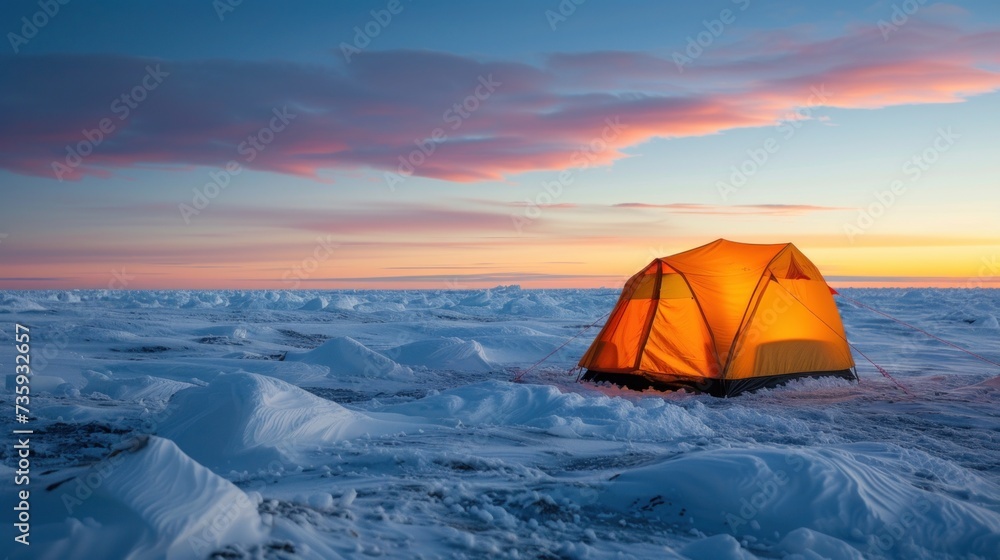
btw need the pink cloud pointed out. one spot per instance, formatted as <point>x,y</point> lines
<point>416,111</point>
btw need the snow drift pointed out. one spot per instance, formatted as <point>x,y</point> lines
<point>499,403</point>
<point>450,353</point>
<point>349,358</point>
<point>462,463</point>
<point>131,388</point>
<point>836,492</point>
<point>150,500</point>
<point>244,421</point>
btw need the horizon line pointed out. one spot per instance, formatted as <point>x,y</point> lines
<point>460,282</point>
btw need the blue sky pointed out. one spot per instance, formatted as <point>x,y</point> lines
<point>661,182</point>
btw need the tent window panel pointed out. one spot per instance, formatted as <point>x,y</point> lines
<point>619,347</point>
<point>646,286</point>
<point>606,347</point>
<point>679,342</point>
<point>674,286</point>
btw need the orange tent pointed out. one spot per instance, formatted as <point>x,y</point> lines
<point>723,318</point>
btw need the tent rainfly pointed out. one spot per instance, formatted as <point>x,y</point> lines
<point>723,318</point>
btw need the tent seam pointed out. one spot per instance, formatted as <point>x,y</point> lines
<point>743,323</point>
<point>652,315</point>
<point>621,299</point>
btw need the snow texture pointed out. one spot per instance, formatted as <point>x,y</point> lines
<point>242,424</point>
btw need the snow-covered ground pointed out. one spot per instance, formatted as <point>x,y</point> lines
<point>354,423</point>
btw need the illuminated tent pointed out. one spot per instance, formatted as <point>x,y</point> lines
<point>723,318</point>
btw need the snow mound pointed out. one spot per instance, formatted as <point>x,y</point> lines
<point>565,414</point>
<point>14,304</point>
<point>315,304</point>
<point>987,322</point>
<point>202,301</point>
<point>343,302</point>
<point>349,358</point>
<point>152,501</point>
<point>451,353</point>
<point>131,388</point>
<point>47,383</point>
<point>719,547</point>
<point>266,300</point>
<point>92,333</point>
<point>835,492</point>
<point>477,299</point>
<point>236,332</point>
<point>245,421</point>
<point>804,543</point>
<point>380,306</point>
<point>534,305</point>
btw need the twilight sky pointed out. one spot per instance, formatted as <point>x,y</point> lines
<point>396,144</point>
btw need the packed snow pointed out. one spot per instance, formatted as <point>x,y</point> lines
<point>236,424</point>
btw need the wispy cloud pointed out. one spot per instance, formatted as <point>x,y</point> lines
<point>499,277</point>
<point>738,209</point>
<point>680,207</point>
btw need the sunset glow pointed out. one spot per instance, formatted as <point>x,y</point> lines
<point>569,159</point>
